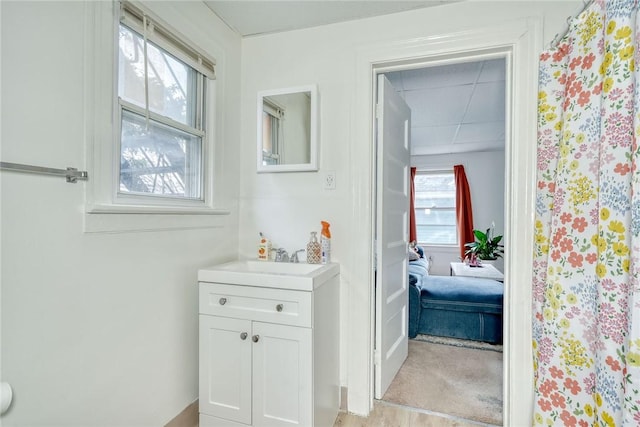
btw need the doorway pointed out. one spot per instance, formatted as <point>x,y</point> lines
<point>458,117</point>
<point>519,41</point>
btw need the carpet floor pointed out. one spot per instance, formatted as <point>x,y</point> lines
<point>450,379</point>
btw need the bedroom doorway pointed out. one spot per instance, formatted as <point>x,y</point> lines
<point>466,126</point>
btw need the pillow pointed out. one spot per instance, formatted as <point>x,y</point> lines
<point>419,268</point>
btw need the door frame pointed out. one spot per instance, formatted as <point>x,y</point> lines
<point>520,42</point>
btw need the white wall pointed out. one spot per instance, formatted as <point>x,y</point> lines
<point>98,329</point>
<point>287,206</point>
<point>485,174</point>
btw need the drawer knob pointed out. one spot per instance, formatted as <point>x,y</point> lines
<point>222,301</point>
<point>279,307</point>
<point>255,338</point>
<point>243,336</point>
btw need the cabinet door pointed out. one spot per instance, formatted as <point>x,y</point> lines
<point>282,375</point>
<point>225,368</point>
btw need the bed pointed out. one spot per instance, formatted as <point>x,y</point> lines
<point>454,306</point>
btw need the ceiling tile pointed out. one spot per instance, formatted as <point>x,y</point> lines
<point>455,108</point>
<point>441,76</point>
<point>487,103</point>
<point>493,71</point>
<point>438,106</point>
<point>480,132</point>
<point>432,135</point>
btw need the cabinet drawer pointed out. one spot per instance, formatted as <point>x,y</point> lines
<point>254,303</point>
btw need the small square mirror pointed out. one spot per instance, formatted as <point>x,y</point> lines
<point>287,129</point>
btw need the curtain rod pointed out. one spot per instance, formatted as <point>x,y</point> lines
<point>560,36</point>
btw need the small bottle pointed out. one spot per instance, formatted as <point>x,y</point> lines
<point>264,248</point>
<point>313,249</point>
<point>325,243</point>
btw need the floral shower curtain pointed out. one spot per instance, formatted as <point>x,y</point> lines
<point>586,328</point>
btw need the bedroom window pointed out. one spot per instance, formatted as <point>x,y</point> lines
<point>162,92</point>
<point>435,208</point>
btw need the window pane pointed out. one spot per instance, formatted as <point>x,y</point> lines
<point>436,234</point>
<point>435,190</point>
<point>435,204</point>
<point>438,217</point>
<point>172,83</point>
<point>159,160</point>
<point>271,140</point>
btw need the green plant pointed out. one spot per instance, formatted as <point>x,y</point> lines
<point>485,247</point>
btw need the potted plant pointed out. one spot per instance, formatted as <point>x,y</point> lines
<point>486,246</point>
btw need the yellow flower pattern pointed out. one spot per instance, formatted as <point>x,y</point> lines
<point>586,284</point>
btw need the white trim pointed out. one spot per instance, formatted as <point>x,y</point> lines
<point>102,112</point>
<point>134,16</point>
<point>518,41</point>
<point>314,138</point>
<point>154,210</point>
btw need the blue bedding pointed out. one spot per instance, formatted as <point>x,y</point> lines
<point>454,306</point>
<point>418,269</point>
<point>463,289</point>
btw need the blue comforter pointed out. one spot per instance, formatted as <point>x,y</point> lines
<point>454,306</point>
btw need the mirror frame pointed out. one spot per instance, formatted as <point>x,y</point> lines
<point>313,137</point>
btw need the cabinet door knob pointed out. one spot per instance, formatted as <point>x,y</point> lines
<point>222,301</point>
<point>243,336</point>
<point>279,307</point>
<point>255,338</point>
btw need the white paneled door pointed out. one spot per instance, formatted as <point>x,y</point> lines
<point>392,234</point>
<point>225,368</point>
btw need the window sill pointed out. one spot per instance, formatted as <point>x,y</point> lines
<point>442,247</point>
<point>121,219</point>
<point>154,210</point>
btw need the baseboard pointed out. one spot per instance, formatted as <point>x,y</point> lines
<point>343,399</point>
<point>187,418</point>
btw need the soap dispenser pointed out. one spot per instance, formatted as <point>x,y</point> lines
<point>264,248</point>
<point>313,249</point>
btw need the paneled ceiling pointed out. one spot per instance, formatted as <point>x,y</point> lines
<point>455,108</point>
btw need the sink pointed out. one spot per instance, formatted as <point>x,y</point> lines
<point>285,275</point>
<point>267,267</point>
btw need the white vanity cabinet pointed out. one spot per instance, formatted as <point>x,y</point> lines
<point>269,355</point>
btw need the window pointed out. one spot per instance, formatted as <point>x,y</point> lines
<point>271,133</point>
<point>435,208</point>
<point>162,92</point>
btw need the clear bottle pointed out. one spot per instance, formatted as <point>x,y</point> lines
<point>313,249</point>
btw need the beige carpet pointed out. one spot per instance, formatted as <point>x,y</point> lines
<point>459,381</point>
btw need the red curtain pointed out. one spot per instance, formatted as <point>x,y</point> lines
<point>413,235</point>
<point>464,213</point>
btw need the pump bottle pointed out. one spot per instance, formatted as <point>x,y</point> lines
<point>325,242</point>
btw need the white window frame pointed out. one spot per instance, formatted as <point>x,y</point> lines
<point>275,113</point>
<point>102,124</point>
<point>432,244</point>
<point>198,128</point>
